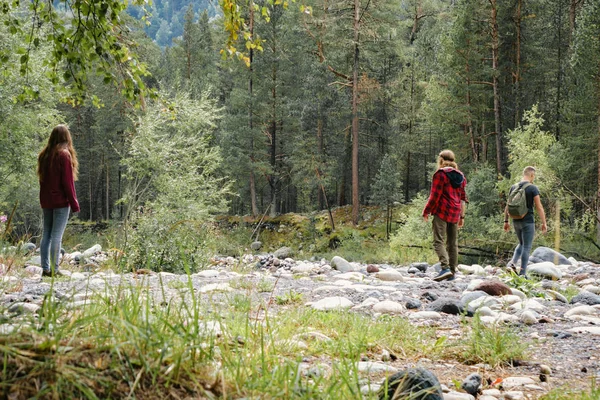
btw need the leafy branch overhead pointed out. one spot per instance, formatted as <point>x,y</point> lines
<point>237,26</point>
<point>81,37</point>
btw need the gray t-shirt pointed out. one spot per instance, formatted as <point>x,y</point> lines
<point>530,192</point>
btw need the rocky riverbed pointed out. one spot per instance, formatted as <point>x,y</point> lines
<point>559,316</point>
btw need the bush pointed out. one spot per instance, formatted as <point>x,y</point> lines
<point>412,241</point>
<point>173,185</point>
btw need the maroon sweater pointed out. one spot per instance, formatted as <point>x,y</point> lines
<point>57,190</point>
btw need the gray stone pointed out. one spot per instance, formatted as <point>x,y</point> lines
<point>448,306</point>
<point>35,260</point>
<point>332,303</point>
<point>412,304</point>
<point>557,296</point>
<point>469,297</point>
<point>516,381</point>
<point>581,310</point>
<point>33,270</point>
<point>208,273</point>
<point>594,330</point>
<point>375,367</point>
<point>95,249</point>
<point>413,383</point>
<point>76,256</point>
<point>542,254</point>
<point>28,248</point>
<point>529,317</point>
<point>421,266</point>
<point>7,329</point>
<point>388,307</point>
<point>428,315</point>
<point>283,252</point>
<point>340,264</point>
<point>471,384</point>
<point>24,308</point>
<point>544,269</point>
<point>77,276</point>
<point>586,298</point>
<point>431,296</point>
<point>256,245</point>
<point>389,275</point>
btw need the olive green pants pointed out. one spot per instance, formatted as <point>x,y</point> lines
<point>445,243</point>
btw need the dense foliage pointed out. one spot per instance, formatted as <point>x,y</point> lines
<point>299,106</point>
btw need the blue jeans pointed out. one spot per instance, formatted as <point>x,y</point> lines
<point>525,232</point>
<point>55,222</point>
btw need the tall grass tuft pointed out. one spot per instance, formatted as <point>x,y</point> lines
<point>493,345</point>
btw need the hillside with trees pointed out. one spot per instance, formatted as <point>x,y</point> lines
<point>193,110</point>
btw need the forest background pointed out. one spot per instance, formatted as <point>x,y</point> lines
<point>184,111</point>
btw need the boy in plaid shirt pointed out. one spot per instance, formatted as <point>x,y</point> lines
<point>447,205</point>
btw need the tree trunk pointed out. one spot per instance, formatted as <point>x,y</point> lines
<point>273,157</point>
<point>250,115</point>
<point>107,191</point>
<point>470,133</point>
<point>407,179</point>
<point>559,73</point>
<point>320,193</point>
<point>274,175</point>
<point>517,77</point>
<point>573,6</point>
<point>347,161</point>
<point>355,177</point>
<point>598,127</point>
<point>495,72</point>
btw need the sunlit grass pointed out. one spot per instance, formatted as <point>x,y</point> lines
<point>123,341</point>
<point>565,393</point>
<point>494,345</point>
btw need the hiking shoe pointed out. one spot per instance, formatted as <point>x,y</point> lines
<point>511,267</point>
<point>443,275</point>
<point>452,278</point>
<point>46,272</point>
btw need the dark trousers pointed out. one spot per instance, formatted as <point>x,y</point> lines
<point>445,243</point>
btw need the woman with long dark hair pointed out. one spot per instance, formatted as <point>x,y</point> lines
<point>57,172</point>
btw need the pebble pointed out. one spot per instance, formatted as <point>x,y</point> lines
<point>389,275</point>
<point>388,307</point>
<point>375,367</point>
<point>332,303</point>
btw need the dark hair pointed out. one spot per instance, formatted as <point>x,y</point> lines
<point>59,140</point>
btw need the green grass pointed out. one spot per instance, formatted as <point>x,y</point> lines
<point>123,344</point>
<point>564,393</point>
<point>493,345</point>
<point>265,285</point>
<point>530,285</point>
<point>291,297</point>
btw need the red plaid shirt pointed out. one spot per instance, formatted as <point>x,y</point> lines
<point>444,199</point>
